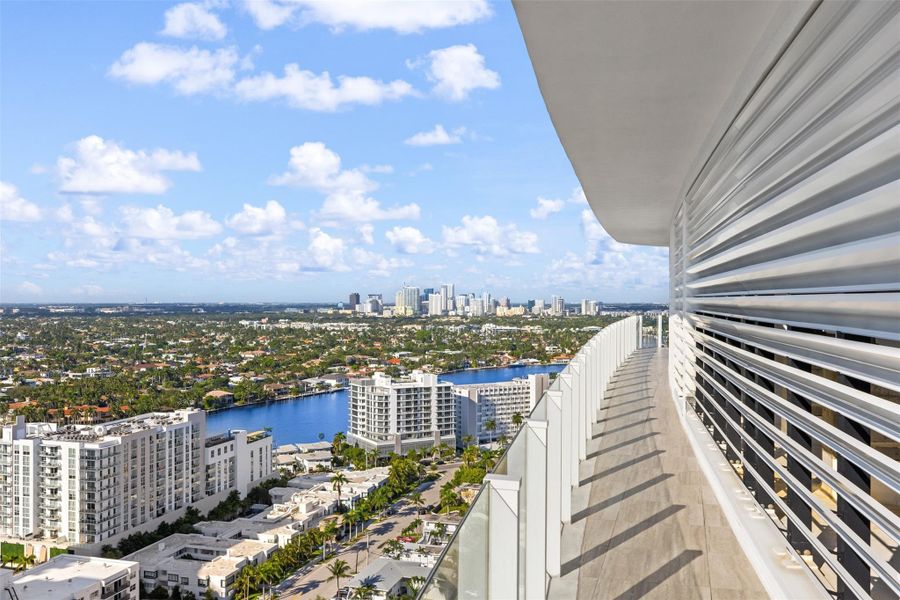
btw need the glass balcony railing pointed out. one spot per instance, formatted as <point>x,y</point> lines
<point>509,542</point>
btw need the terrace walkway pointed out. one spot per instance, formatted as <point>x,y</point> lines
<point>645,523</point>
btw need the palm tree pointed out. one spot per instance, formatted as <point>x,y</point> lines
<point>416,523</point>
<point>393,548</point>
<point>23,562</point>
<point>246,581</point>
<point>517,420</point>
<point>364,591</point>
<point>337,480</point>
<point>7,559</point>
<point>331,531</point>
<point>416,500</point>
<point>467,440</point>
<point>414,585</point>
<point>439,531</point>
<point>336,570</point>
<point>470,455</point>
<point>491,426</point>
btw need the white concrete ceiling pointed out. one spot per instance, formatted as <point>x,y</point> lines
<point>639,91</point>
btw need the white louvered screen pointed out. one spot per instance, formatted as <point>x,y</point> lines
<point>785,281</point>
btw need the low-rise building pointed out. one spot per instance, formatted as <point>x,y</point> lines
<point>391,578</point>
<point>70,577</point>
<point>194,562</point>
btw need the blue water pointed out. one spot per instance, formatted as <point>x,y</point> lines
<point>302,420</point>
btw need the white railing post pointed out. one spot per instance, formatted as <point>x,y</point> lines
<point>556,481</point>
<point>659,330</point>
<point>640,331</point>
<point>536,501</point>
<point>503,535</point>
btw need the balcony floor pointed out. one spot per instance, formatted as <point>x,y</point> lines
<point>645,523</point>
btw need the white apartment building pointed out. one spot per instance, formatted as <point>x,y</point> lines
<point>237,460</point>
<point>557,306</point>
<point>195,563</point>
<point>398,414</point>
<point>89,485</point>
<point>407,301</point>
<point>73,577</point>
<point>435,304</point>
<point>479,403</point>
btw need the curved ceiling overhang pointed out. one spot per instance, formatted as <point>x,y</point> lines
<point>640,92</point>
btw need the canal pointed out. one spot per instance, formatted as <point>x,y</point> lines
<point>303,419</point>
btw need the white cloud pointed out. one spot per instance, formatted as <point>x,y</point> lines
<point>402,17</point>
<point>271,219</point>
<point>376,264</point>
<point>193,20</point>
<point>610,265</point>
<point>488,237</point>
<point>546,207</point>
<point>64,213</point>
<point>188,71</point>
<point>29,289</point>
<point>314,165</point>
<point>436,137</point>
<point>103,167</point>
<point>378,169</point>
<point>14,207</point>
<point>409,240</point>
<point>457,71</point>
<point>577,196</point>
<point>326,252</point>
<point>161,223</point>
<point>366,233</point>
<point>88,289</point>
<point>304,89</point>
<point>356,207</point>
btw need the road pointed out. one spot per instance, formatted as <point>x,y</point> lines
<point>312,582</point>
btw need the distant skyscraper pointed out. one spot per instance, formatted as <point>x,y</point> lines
<point>557,305</point>
<point>435,304</point>
<point>448,290</point>
<point>354,301</point>
<point>407,301</point>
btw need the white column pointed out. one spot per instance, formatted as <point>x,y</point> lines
<point>640,331</point>
<point>536,498</point>
<point>503,536</point>
<point>555,485</point>
<point>659,330</point>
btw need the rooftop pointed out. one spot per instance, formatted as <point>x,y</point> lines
<point>65,575</point>
<point>385,573</point>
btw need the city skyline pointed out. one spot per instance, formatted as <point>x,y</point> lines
<point>214,153</point>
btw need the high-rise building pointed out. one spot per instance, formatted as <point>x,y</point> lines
<point>87,484</point>
<point>557,306</point>
<point>394,415</point>
<point>353,301</point>
<point>461,304</point>
<point>448,293</point>
<point>407,301</point>
<point>538,306</point>
<point>479,404</point>
<point>435,305</point>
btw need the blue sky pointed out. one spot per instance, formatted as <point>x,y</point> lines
<point>289,151</point>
